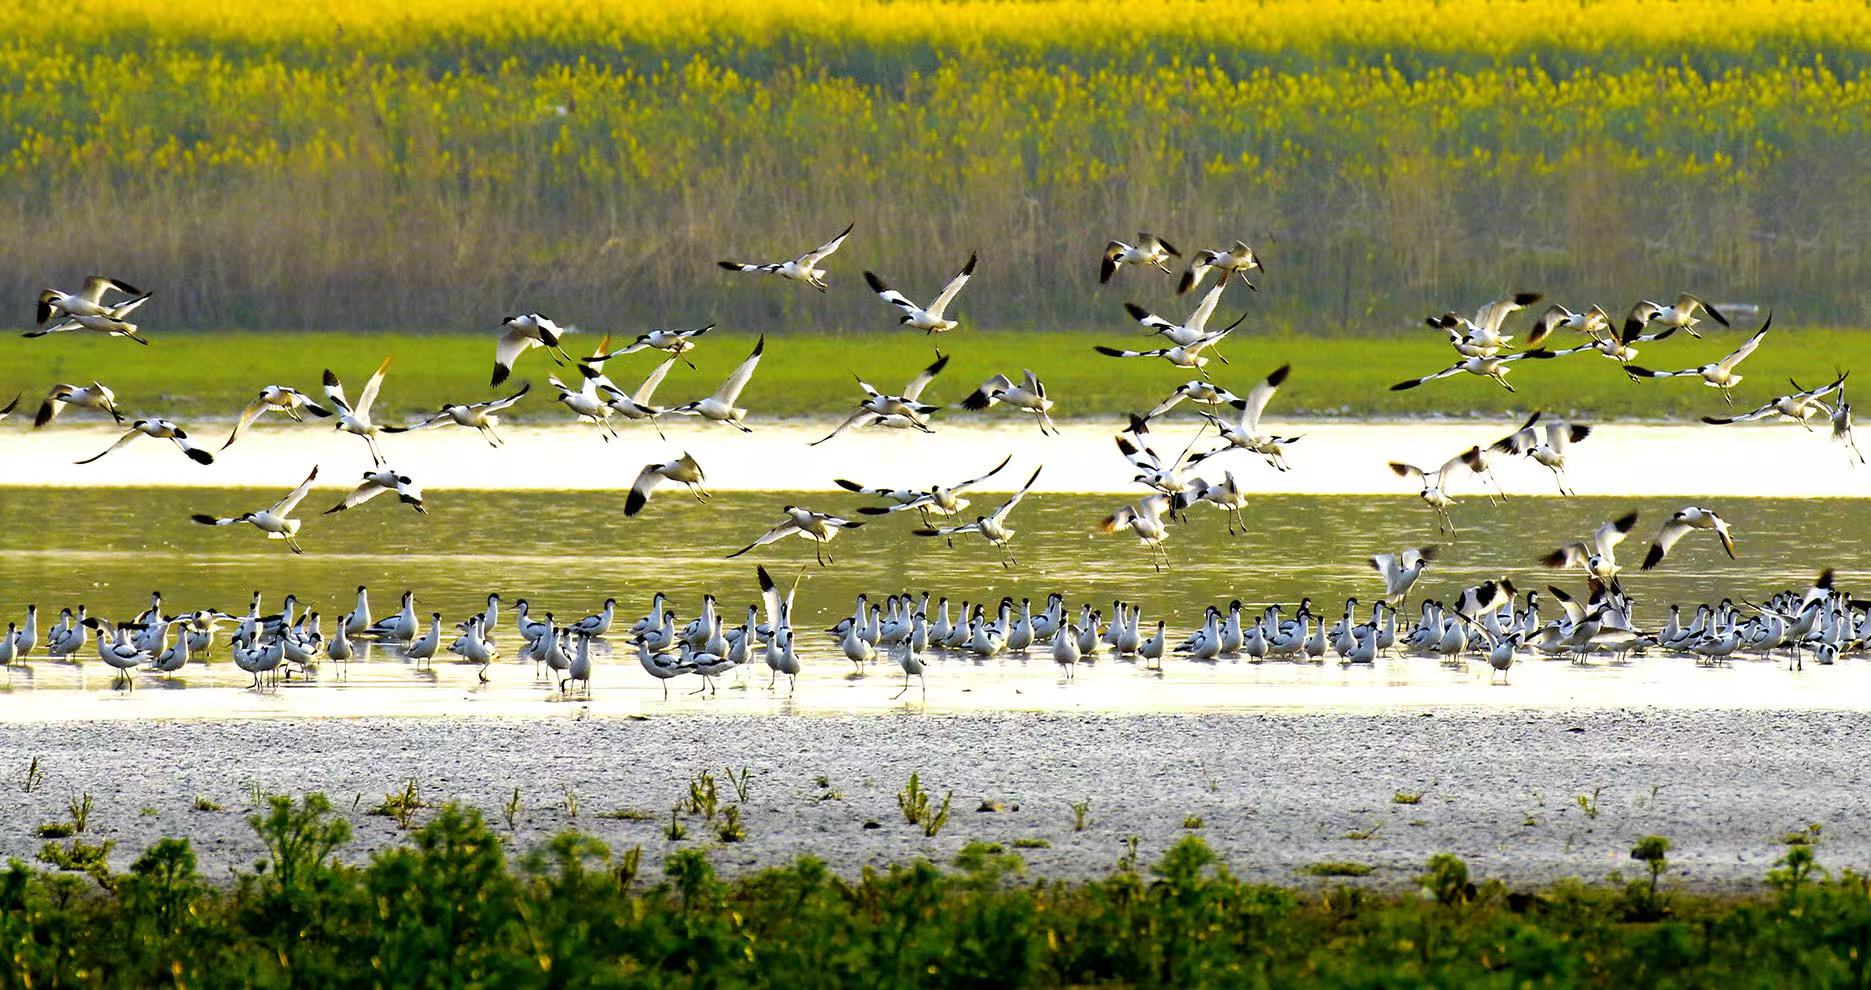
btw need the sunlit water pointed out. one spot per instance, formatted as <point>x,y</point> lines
<point>109,548</point>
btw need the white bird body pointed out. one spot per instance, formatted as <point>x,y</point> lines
<point>1029,397</point>
<point>275,520</point>
<point>801,269</point>
<point>929,319</point>
<point>355,419</point>
<point>720,407</point>
<point>159,429</point>
<point>94,396</point>
<point>1150,251</point>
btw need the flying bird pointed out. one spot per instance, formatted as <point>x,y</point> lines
<point>280,398</point>
<point>1237,260</point>
<point>944,501</point>
<point>276,520</point>
<point>806,524</point>
<point>93,396</point>
<point>1680,316</point>
<point>1719,375</point>
<point>482,416</point>
<point>1400,570</point>
<point>111,320</point>
<point>1481,337</point>
<point>675,343</point>
<point>87,301</point>
<point>1435,490</point>
<point>1494,369</point>
<point>1801,406</point>
<point>375,483</point>
<point>903,412</point>
<point>928,320</point>
<point>801,269</point>
<point>1598,553</point>
<point>160,429</point>
<point>520,334</point>
<point>720,406</point>
<point>1246,434</point>
<point>1144,518</point>
<point>993,527</point>
<point>1679,524</point>
<point>1150,251</point>
<point>683,470</point>
<point>1546,443</point>
<point>355,419</point>
<point>1029,396</point>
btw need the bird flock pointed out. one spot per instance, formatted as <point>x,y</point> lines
<point>1484,620</point>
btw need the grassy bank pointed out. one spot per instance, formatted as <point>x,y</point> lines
<point>198,376</point>
<point>454,907</point>
<point>333,163</point>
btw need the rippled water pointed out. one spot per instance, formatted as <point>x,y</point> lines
<point>568,551</point>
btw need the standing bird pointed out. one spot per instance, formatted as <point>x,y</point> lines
<point>801,269</point>
<point>818,527</point>
<point>160,429</point>
<point>480,416</point>
<point>1237,260</point>
<point>355,419</point>
<point>94,396</point>
<point>683,470</point>
<point>1435,491</point>
<point>377,481</point>
<point>520,334</point>
<point>276,520</point>
<point>1718,375</point>
<point>1546,443</point>
<point>993,528</point>
<point>905,411</point>
<point>1029,396</point>
<point>720,406</point>
<point>928,320</point>
<point>1679,524</point>
<point>280,398</point>
<point>1598,554</point>
<point>1150,250</point>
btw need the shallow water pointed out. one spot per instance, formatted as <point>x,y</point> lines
<point>567,551</point>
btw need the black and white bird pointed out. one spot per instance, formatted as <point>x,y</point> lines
<point>1802,406</point>
<point>1400,570</point>
<point>1842,426</point>
<point>720,407</point>
<point>1481,336</point>
<point>1494,368</point>
<point>905,411</point>
<point>1237,260</point>
<point>379,480</point>
<point>93,396</point>
<point>355,419</point>
<point>1680,315</point>
<point>482,416</point>
<point>1189,331</point>
<point>1592,323</point>
<point>160,429</point>
<point>521,333</point>
<point>1622,345</point>
<point>1200,391</point>
<point>284,399</point>
<point>1029,396</point>
<point>801,269</point>
<point>1689,517</point>
<point>1144,518</point>
<point>276,520</point>
<point>1150,251</point>
<point>993,527</point>
<point>1721,374</point>
<point>1246,433</point>
<point>818,527</point>
<point>1225,495</point>
<point>635,405</point>
<point>1598,553</point>
<point>1153,469</point>
<point>684,470</point>
<point>940,501</point>
<point>675,343</point>
<point>930,319</point>
<point>1435,484</point>
<point>1182,355</point>
<point>87,301</point>
<point>1546,443</point>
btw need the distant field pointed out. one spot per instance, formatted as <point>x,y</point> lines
<point>212,375</point>
<point>438,164</point>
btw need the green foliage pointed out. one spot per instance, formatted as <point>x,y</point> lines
<point>1645,904</point>
<point>730,829</point>
<point>917,809</point>
<point>78,805</point>
<point>35,775</point>
<point>1446,880</point>
<point>401,806</point>
<point>204,803</point>
<point>1337,868</point>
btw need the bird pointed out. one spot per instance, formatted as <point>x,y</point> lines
<point>1481,336</point>
<point>276,520</point>
<point>1182,355</point>
<point>683,470</point>
<point>1189,331</point>
<point>904,654</point>
<point>1029,396</point>
<point>520,334</point>
<point>930,320</point>
<point>944,501</point>
<point>1226,496</point>
<point>1679,315</point>
<point>87,301</point>
<point>1494,368</point>
<point>801,269</point>
<point>281,398</point>
<point>1435,491</point>
<point>635,405</point>
<point>1236,260</point>
<point>1620,346</point>
<point>1801,406</point>
<point>93,396</point>
<point>7,410</point>
<point>1842,426</point>
<point>1400,570</point>
<point>1679,524</point>
<point>1719,375</point>
<point>676,343</point>
<point>1597,554</point>
<point>1150,250</point>
<point>1197,390</point>
<point>1144,518</point>
<point>1546,443</point>
<point>482,416</point>
<point>720,406</point>
<point>904,411</point>
<point>1246,434</point>
<point>377,481</point>
<point>355,419</point>
<point>1153,469</point>
<point>160,429</point>
<point>993,527</point>
<point>806,524</point>
<point>1592,322</point>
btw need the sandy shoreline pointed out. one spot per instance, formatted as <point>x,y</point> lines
<point>1275,792</point>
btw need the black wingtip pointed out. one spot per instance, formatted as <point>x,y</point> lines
<point>203,518</point>
<point>873,510</point>
<point>968,269</point>
<point>1279,375</point>
<point>976,400</point>
<point>760,346</point>
<point>500,374</point>
<point>1527,298</point>
<point>1136,312</point>
<point>1624,522</point>
<point>876,284</point>
<point>1406,386</point>
<point>331,380</point>
<point>200,456</point>
<point>732,266</point>
<point>1108,351</point>
<point>1652,558</point>
<point>634,502</point>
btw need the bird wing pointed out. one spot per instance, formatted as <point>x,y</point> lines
<point>507,402</point>
<point>642,488</point>
<point>1741,353</point>
<point>1608,536</point>
<point>855,419</point>
<point>948,291</point>
<point>1666,538</point>
<point>739,266</point>
<point>1490,316</point>
<point>1144,456</point>
<point>96,285</point>
<point>368,396</point>
<point>1175,398</point>
<point>975,481</point>
<point>1444,373</point>
<point>1156,324</point>
<point>1403,470</point>
<point>1561,434</point>
<point>1520,441</point>
<point>1006,507</point>
<point>817,254</point>
<point>361,494</point>
<point>247,416</point>
<point>1115,352</point>
<point>1412,556</point>
<point>1262,393</point>
<point>1686,300</point>
<point>1750,416</point>
<point>1570,555</point>
<point>1151,240</point>
<point>730,390</point>
<point>508,349</point>
<point>284,506</point>
<point>334,390</point>
<point>642,395</point>
<point>1385,564</point>
<point>435,420</point>
<point>973,527</point>
<point>121,442</point>
<point>777,533</point>
<point>914,389</point>
<point>889,295</point>
<point>1199,319</point>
